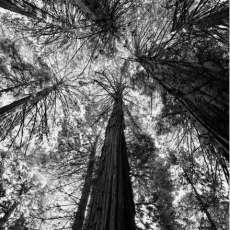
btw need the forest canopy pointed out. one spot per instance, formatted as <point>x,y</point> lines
<point>114,114</point>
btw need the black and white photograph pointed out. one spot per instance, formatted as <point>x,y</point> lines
<point>114,115</point>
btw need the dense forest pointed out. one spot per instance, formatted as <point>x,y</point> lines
<point>114,115</point>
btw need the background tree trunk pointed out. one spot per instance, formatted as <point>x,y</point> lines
<point>79,217</point>
<point>25,100</point>
<point>210,111</point>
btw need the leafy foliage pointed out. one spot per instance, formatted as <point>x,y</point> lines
<point>64,68</point>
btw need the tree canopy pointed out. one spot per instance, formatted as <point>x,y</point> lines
<point>114,114</point>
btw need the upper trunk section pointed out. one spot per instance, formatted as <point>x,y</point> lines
<point>112,199</point>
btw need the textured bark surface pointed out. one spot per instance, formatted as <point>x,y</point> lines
<point>112,206</point>
<point>12,106</point>
<point>79,217</point>
<point>33,99</point>
<point>205,97</point>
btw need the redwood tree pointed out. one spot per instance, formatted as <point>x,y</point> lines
<point>112,205</point>
<point>79,216</point>
<point>191,67</point>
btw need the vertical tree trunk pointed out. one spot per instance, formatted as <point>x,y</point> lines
<point>2,190</point>
<point>80,214</point>
<point>112,206</point>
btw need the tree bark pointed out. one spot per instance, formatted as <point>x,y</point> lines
<point>80,214</point>
<point>112,206</point>
<point>25,100</point>
<point>210,113</point>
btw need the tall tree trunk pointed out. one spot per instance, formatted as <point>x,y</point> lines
<point>80,214</point>
<point>211,114</point>
<point>112,206</point>
<point>25,100</point>
<point>2,190</point>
